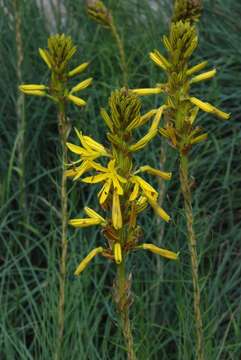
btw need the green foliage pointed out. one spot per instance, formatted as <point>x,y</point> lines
<point>30,242</point>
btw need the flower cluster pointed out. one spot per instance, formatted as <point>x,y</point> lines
<point>181,108</point>
<point>57,57</point>
<point>99,12</point>
<point>124,193</point>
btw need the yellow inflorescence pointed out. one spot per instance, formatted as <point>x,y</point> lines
<point>57,57</point>
<point>180,110</point>
<point>123,193</point>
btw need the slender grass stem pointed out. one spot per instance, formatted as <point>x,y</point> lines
<point>192,243</point>
<point>121,49</point>
<point>20,106</point>
<point>123,307</point>
<point>63,131</point>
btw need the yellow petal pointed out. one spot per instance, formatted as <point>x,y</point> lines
<point>157,118</point>
<point>197,68</point>
<point>32,87</point>
<point>146,117</point>
<point>79,69</point>
<point>94,145</point>
<point>147,91</point>
<point>45,56</point>
<point>205,76</point>
<point>209,108</point>
<point>144,141</point>
<point>76,100</point>
<point>199,138</point>
<point>74,148</point>
<point>106,118</point>
<point>164,175</point>
<point>159,59</point>
<point>87,259</point>
<point>80,223</point>
<point>95,178</point>
<point>160,212</point>
<point>84,167</point>
<point>94,215</point>
<point>104,192</point>
<point>81,86</point>
<point>146,187</point>
<point>156,250</point>
<point>116,212</point>
<point>117,253</point>
<point>135,192</point>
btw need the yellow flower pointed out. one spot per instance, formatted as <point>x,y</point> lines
<point>45,56</point>
<point>116,211</point>
<point>81,86</point>
<point>94,219</point>
<point>146,168</point>
<point>205,76</point>
<point>150,193</point>
<point>143,141</point>
<point>33,89</point>
<point>197,68</point>
<point>156,250</point>
<point>80,223</point>
<point>89,151</point>
<point>79,69</point>
<point>117,253</point>
<point>159,59</point>
<point>110,176</point>
<point>76,100</point>
<point>147,91</point>
<point>85,262</point>
<point>209,108</point>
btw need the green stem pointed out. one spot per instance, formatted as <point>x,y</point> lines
<point>123,307</point>
<point>121,49</point>
<point>192,243</point>
<point>63,131</point>
<point>20,107</point>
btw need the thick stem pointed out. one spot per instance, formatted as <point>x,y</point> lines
<point>121,49</point>
<point>123,303</point>
<point>63,131</point>
<point>192,243</point>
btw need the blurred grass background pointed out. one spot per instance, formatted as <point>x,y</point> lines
<point>30,228</point>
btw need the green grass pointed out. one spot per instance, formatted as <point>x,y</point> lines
<point>162,291</point>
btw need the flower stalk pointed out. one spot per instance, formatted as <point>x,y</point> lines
<point>20,106</point>
<point>102,15</point>
<point>192,244</point>
<point>180,114</point>
<point>124,194</point>
<point>57,57</point>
